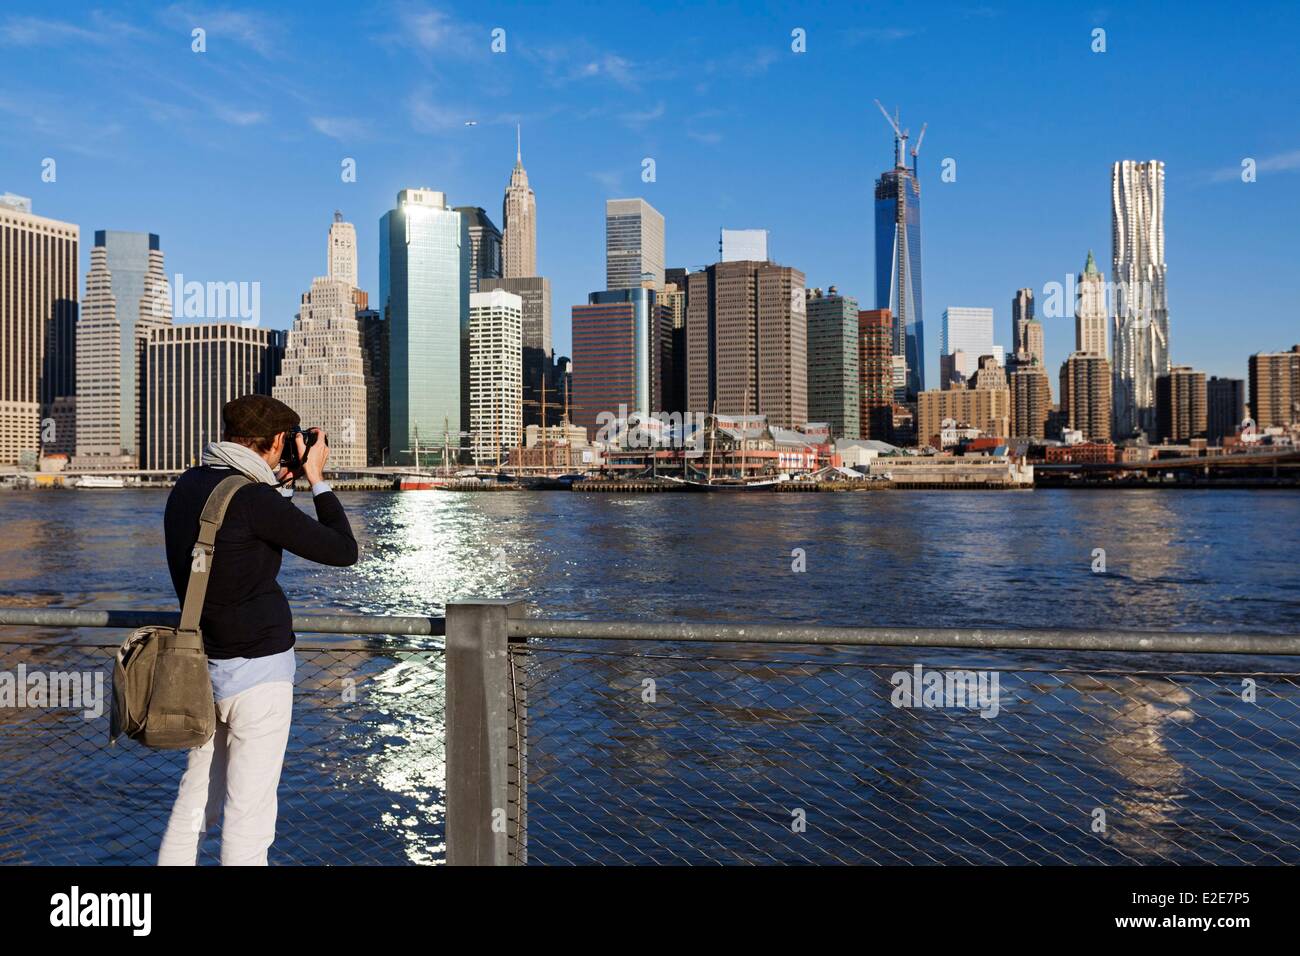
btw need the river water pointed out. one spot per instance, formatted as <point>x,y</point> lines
<point>1183,560</point>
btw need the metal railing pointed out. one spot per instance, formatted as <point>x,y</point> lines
<point>566,741</point>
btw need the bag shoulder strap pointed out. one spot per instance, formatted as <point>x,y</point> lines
<point>214,512</point>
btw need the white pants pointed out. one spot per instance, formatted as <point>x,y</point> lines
<point>240,769</point>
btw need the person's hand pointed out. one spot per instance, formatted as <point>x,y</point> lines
<point>314,462</point>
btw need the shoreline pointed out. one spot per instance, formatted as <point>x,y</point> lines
<point>647,487</point>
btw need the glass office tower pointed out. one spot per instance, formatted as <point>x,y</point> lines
<point>424,269</point>
<point>898,268</point>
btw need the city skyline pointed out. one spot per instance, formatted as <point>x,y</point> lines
<point>259,224</point>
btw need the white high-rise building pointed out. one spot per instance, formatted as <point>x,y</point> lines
<point>1141,320</point>
<point>322,376</point>
<point>1090,311</point>
<point>744,245</point>
<point>496,374</point>
<point>127,296</point>
<point>965,335</point>
<point>343,251</point>
<point>634,245</point>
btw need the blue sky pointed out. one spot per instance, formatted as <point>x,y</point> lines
<point>233,155</point>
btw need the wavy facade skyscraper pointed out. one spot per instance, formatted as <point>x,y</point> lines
<point>1141,320</point>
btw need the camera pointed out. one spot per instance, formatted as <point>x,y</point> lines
<point>289,458</point>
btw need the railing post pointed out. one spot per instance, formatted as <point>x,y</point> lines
<point>480,728</point>
<point>517,750</point>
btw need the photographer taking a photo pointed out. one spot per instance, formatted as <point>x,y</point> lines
<point>246,622</point>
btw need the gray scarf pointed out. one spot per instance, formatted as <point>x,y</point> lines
<point>243,459</point>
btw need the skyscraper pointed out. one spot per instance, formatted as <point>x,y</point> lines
<point>674,303</point>
<point>1181,404</point>
<point>1141,320</point>
<point>484,246</point>
<point>833,357</point>
<point>1085,395</point>
<point>984,404</point>
<point>1225,407</point>
<point>424,268</point>
<point>374,348</point>
<point>322,376</point>
<point>876,368</point>
<point>634,245</point>
<point>1031,401</point>
<point>342,251</point>
<point>519,222</point>
<point>965,335</point>
<point>127,296</point>
<point>1022,313</point>
<point>1275,387</point>
<point>1035,348</point>
<point>1090,312</point>
<point>189,372</point>
<point>38,326</point>
<point>495,374</point>
<point>622,341</point>
<point>747,341</point>
<point>742,245</point>
<point>535,294</point>
<point>898,260</point>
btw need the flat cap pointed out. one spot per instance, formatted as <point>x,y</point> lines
<point>257,416</point>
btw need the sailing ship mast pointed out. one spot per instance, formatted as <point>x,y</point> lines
<point>713,437</point>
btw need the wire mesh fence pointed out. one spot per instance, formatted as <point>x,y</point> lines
<point>689,754</point>
<point>656,752</point>
<point>363,783</point>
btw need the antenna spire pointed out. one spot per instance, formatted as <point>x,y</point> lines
<point>519,145</point>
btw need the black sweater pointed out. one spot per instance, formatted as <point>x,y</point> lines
<point>245,614</point>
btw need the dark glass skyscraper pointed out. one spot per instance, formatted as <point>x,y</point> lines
<point>898,265</point>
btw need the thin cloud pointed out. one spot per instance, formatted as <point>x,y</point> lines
<point>37,31</point>
<point>1288,162</point>
<point>752,62</point>
<point>430,30</point>
<point>611,181</point>
<point>879,35</point>
<point>577,62</point>
<point>430,115</point>
<point>635,119</point>
<point>252,30</point>
<point>238,117</point>
<point>342,128</point>
<point>85,135</point>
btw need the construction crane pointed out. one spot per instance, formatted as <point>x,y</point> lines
<point>900,136</point>
<point>917,148</point>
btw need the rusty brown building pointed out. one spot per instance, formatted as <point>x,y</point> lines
<point>876,371</point>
